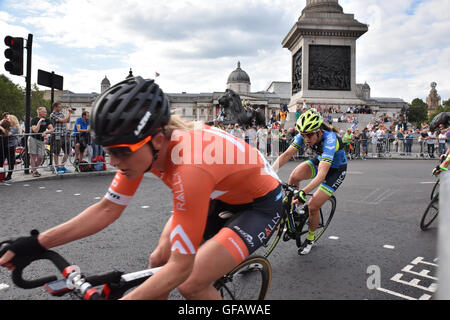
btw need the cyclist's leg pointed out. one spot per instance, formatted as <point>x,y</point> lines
<point>315,203</point>
<point>212,261</point>
<point>242,235</point>
<point>305,171</point>
<point>332,182</point>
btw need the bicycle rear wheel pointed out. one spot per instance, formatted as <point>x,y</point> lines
<point>248,281</point>
<point>430,213</point>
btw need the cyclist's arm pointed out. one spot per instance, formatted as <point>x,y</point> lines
<point>322,172</point>
<point>289,153</point>
<point>284,158</point>
<point>90,221</point>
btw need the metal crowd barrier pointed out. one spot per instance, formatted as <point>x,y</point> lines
<point>13,150</point>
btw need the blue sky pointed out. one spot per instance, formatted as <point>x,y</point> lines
<point>195,44</point>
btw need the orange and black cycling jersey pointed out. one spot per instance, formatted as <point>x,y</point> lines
<point>203,165</point>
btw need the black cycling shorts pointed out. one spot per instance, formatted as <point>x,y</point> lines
<point>253,222</point>
<point>334,178</point>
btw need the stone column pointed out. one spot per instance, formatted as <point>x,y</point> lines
<point>323,47</point>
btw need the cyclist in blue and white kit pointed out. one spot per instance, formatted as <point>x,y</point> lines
<point>327,170</point>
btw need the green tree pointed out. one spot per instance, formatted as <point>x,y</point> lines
<point>418,112</point>
<point>446,105</point>
<point>11,97</point>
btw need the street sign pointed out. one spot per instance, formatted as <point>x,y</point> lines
<point>50,79</point>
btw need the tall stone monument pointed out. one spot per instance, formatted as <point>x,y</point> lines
<point>323,47</point>
<point>433,99</point>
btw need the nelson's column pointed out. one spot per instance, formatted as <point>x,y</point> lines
<point>323,47</point>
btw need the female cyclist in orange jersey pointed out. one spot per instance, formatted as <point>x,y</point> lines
<point>209,172</point>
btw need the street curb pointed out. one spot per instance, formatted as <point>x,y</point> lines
<point>63,176</point>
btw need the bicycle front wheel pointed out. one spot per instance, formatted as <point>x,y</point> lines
<point>430,213</point>
<point>248,281</point>
<point>436,187</point>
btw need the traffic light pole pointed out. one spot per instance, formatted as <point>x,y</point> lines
<point>28,101</point>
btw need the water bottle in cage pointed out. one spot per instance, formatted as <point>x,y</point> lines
<point>299,209</point>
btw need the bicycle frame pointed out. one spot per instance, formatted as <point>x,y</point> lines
<point>292,223</point>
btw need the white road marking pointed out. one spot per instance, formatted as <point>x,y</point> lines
<point>145,207</point>
<point>428,182</point>
<point>333,238</point>
<point>58,190</point>
<point>396,294</point>
<point>41,187</point>
<point>355,172</point>
<point>423,273</point>
<point>77,194</point>
<point>414,283</point>
<point>3,286</point>
<point>387,246</point>
<point>97,198</point>
<point>26,185</point>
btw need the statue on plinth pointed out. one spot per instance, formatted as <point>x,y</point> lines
<point>234,111</point>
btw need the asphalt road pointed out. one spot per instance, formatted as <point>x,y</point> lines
<point>375,236</point>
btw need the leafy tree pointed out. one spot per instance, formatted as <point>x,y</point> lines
<point>446,105</point>
<point>418,112</point>
<point>12,98</point>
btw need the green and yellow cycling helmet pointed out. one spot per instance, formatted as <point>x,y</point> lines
<point>310,121</point>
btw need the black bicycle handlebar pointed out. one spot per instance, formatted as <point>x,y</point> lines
<point>21,262</point>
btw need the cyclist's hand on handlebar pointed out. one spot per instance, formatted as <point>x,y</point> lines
<point>23,246</point>
<point>436,171</point>
<point>5,260</point>
<point>300,197</point>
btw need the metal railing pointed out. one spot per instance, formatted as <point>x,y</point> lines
<point>41,150</point>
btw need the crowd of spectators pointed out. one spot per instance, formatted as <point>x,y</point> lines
<point>49,135</point>
<point>382,134</point>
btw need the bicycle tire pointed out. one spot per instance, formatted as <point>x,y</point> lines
<point>277,235</point>
<point>250,280</point>
<point>430,214</point>
<point>434,189</point>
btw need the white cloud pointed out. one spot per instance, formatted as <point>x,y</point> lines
<point>195,44</point>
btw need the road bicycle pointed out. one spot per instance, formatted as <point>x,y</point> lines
<point>250,280</point>
<point>294,219</point>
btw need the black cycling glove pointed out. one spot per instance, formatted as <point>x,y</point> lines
<point>27,246</point>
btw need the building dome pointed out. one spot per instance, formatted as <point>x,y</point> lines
<point>238,76</point>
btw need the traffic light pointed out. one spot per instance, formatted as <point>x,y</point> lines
<point>15,55</point>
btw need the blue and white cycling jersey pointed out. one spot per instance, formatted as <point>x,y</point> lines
<point>330,149</point>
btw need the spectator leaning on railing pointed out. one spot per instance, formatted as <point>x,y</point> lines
<point>60,139</point>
